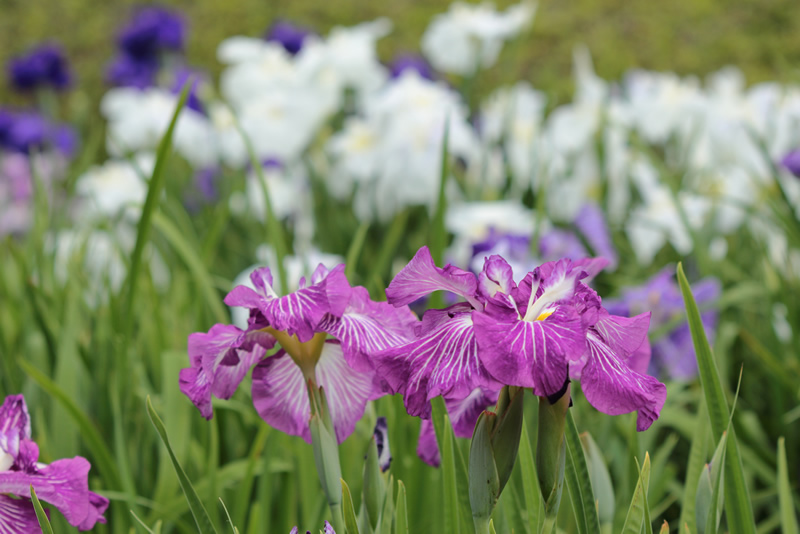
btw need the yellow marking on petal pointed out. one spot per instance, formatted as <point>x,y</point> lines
<point>544,315</point>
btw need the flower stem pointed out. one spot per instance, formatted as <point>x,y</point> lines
<point>481,525</point>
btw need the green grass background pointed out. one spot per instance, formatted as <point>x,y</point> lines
<point>762,37</point>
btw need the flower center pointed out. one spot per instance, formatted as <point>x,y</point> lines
<point>304,354</point>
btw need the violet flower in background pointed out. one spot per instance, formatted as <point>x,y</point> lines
<point>288,35</point>
<point>28,132</point>
<point>554,243</point>
<point>43,66</point>
<point>64,483</point>
<point>150,34</point>
<point>151,31</point>
<point>404,62</point>
<point>791,162</point>
<point>673,354</point>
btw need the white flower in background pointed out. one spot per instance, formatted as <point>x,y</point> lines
<point>138,119</point>
<point>661,103</point>
<point>661,217</point>
<point>100,257</point>
<point>282,101</point>
<point>117,186</point>
<point>470,36</point>
<point>347,58</point>
<point>287,188</point>
<point>514,116</point>
<point>391,155</point>
<point>296,266</point>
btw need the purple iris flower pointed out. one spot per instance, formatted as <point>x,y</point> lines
<point>534,335</point>
<point>63,483</point>
<point>289,36</point>
<point>44,66</point>
<point>152,30</point>
<point>127,71</point>
<point>412,62</point>
<point>673,354</point>
<point>791,162</point>
<point>300,322</point>
<point>181,76</point>
<point>29,131</point>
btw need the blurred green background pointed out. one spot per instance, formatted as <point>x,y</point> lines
<point>762,37</point>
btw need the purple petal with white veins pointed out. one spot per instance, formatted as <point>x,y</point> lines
<point>367,327</point>
<point>293,531</point>
<point>300,312</point>
<point>614,388</point>
<point>246,297</point>
<point>346,390</point>
<point>443,361</point>
<point>623,334</point>
<point>328,529</point>
<point>592,224</point>
<point>530,354</point>
<point>639,360</point>
<point>464,412</point>
<point>280,395</point>
<point>496,276</point>
<point>281,398</point>
<point>421,277</point>
<point>220,359</point>
<point>63,484</point>
<point>17,516</point>
<point>15,424</point>
<point>427,449</point>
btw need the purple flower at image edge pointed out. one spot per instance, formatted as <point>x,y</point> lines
<point>29,131</point>
<point>44,66</point>
<point>62,483</point>
<point>791,162</point>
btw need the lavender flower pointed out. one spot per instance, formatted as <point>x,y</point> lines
<point>29,131</point>
<point>300,322</point>
<point>44,66</point>
<point>413,62</point>
<point>152,32</point>
<point>63,483</point>
<point>290,36</point>
<point>673,354</point>
<point>791,162</point>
